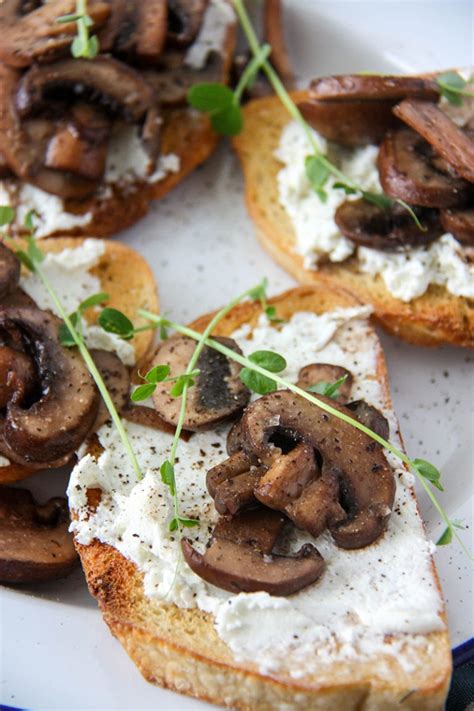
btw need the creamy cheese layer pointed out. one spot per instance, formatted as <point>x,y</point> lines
<point>387,588</point>
<point>219,15</point>
<point>69,273</point>
<point>406,275</point>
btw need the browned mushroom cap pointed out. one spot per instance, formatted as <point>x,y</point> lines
<point>373,87</point>
<point>116,85</point>
<point>17,376</point>
<point>22,145</point>
<point>218,393</point>
<point>117,380</point>
<point>56,424</point>
<point>238,463</point>
<point>366,481</point>
<point>350,123</point>
<point>274,35</point>
<point>390,229</point>
<point>184,19</point>
<point>356,110</point>
<point>450,141</point>
<point>369,416</point>
<point>410,170</point>
<point>238,492</point>
<point>137,29</point>
<point>5,170</point>
<point>37,36</point>
<point>460,223</point>
<point>318,506</point>
<point>240,568</point>
<point>35,544</point>
<point>234,439</point>
<point>258,527</point>
<point>9,270</point>
<point>326,373</point>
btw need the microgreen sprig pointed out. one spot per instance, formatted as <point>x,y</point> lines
<point>65,336</point>
<point>221,103</point>
<point>259,293</point>
<point>83,45</point>
<point>33,259</point>
<point>453,88</point>
<point>323,387</point>
<point>427,473</point>
<point>180,389</point>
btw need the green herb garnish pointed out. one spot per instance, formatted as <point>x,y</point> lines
<point>428,475</point>
<point>453,88</point>
<point>328,389</point>
<point>65,336</point>
<point>33,259</point>
<point>83,45</point>
<point>221,103</point>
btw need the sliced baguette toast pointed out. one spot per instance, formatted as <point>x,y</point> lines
<point>434,318</point>
<point>130,283</point>
<point>179,648</point>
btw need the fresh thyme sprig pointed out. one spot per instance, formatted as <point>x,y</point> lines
<point>427,473</point>
<point>453,88</point>
<point>33,259</point>
<point>217,100</point>
<point>83,45</point>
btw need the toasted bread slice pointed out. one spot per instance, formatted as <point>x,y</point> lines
<point>130,283</point>
<point>180,649</point>
<point>434,318</point>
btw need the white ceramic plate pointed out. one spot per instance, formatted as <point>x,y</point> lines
<point>56,653</point>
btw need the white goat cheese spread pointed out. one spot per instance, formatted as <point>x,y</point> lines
<point>406,275</point>
<point>69,273</point>
<point>387,588</point>
<point>219,15</point>
<point>127,162</point>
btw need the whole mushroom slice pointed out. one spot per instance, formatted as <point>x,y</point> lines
<point>366,481</point>
<point>9,270</point>
<point>108,81</point>
<point>241,568</point>
<point>35,544</point>
<point>373,87</point>
<point>148,417</point>
<point>136,29</point>
<point>460,223</point>
<point>326,373</point>
<point>392,229</point>
<point>350,123</point>
<point>57,423</point>
<point>37,36</point>
<point>185,18</point>
<point>356,110</point>
<point>23,146</point>
<point>410,170</point>
<point>451,142</point>
<point>259,527</point>
<point>372,418</point>
<point>218,393</point>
